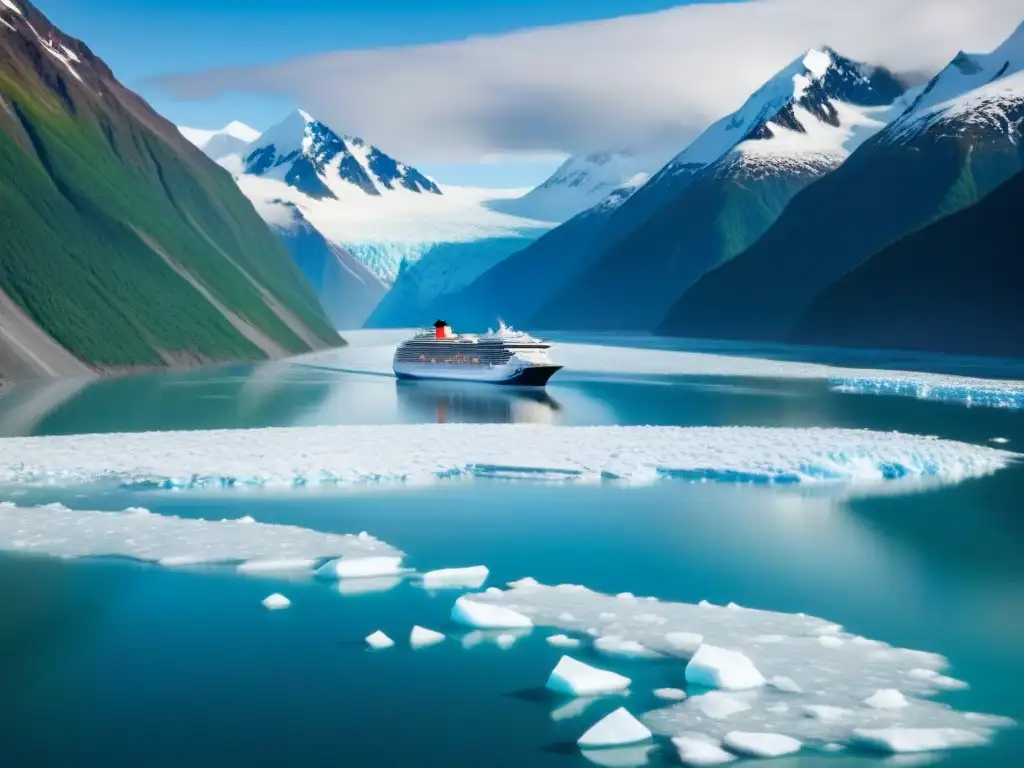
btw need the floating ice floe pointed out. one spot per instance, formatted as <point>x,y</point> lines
<point>287,565</point>
<point>897,739</point>
<point>815,694</point>
<point>483,615</point>
<point>698,750</point>
<point>276,601</point>
<point>139,534</point>
<point>964,390</point>
<point>379,640</point>
<point>612,645</point>
<point>288,457</point>
<point>421,637</point>
<point>887,698</point>
<point>360,567</point>
<point>564,641</point>
<point>575,678</point>
<point>760,744</point>
<point>669,694</point>
<point>470,578</point>
<point>615,729</point>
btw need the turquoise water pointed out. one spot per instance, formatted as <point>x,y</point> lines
<point>112,663</point>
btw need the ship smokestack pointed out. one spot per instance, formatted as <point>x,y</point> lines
<point>442,330</point>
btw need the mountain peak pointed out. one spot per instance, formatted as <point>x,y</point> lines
<point>312,158</point>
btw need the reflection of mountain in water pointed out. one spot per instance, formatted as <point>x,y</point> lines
<point>471,402</point>
<point>230,397</point>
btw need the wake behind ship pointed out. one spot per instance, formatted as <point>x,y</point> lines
<point>504,356</point>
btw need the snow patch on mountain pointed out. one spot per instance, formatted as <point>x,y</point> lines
<point>221,142</point>
<point>583,181</point>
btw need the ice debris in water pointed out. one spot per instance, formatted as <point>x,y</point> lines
<point>142,535</point>
<point>990,393</point>
<point>300,456</point>
<point>421,637</point>
<point>612,645</point>
<point>575,678</point>
<point>484,615</point>
<point>817,694</point>
<point>888,698</point>
<point>379,640</point>
<point>617,728</point>
<point>276,601</point>
<point>471,578</point>
<point>999,440</point>
<point>360,567</point>
<point>760,744</point>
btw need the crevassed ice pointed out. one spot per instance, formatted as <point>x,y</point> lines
<point>827,683</point>
<point>142,535</point>
<point>427,452</point>
<point>955,389</point>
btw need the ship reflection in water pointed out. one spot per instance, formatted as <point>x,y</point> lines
<point>474,403</point>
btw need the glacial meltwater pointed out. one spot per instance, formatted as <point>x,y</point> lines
<point>743,552</point>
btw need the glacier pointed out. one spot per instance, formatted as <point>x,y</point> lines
<point>426,453</point>
<point>139,534</point>
<point>832,679</point>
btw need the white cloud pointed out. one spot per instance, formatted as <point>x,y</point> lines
<point>607,83</point>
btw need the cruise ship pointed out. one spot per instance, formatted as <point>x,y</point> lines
<point>504,356</point>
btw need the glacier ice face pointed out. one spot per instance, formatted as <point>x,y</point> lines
<point>823,700</point>
<point>139,534</point>
<point>331,455</point>
<point>951,389</point>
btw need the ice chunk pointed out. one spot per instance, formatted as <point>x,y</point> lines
<point>470,578</point>
<point>274,566</point>
<point>473,613</point>
<point>887,698</point>
<point>366,586</point>
<point>785,684</point>
<point>999,440</point>
<point>276,601</point>
<point>612,645</point>
<point>360,567</point>
<point>619,727</point>
<point>684,642</point>
<point>715,667</point>
<point>142,535</point>
<point>761,744</point>
<point>717,705</point>
<point>670,694</point>
<point>575,678</point>
<point>379,640</point>
<point>505,641</point>
<point>420,637</point>
<point>563,641</point>
<point>700,751</point>
<point>898,739</point>
<point>430,452</point>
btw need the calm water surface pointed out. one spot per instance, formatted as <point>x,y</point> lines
<point>109,663</point>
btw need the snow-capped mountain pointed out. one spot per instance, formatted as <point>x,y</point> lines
<point>960,139</point>
<point>725,189</point>
<point>974,92</point>
<point>312,158</point>
<point>583,181</point>
<point>229,140</point>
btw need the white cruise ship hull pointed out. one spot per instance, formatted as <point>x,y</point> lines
<point>512,373</point>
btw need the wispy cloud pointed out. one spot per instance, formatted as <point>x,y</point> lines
<point>616,82</point>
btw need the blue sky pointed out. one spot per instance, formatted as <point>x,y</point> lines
<point>140,39</point>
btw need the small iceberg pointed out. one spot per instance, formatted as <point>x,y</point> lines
<point>575,678</point>
<point>276,602</point>
<point>761,744</point>
<point>700,751</point>
<point>379,640</point>
<point>421,637</point>
<point>472,613</point>
<point>887,698</point>
<point>563,641</point>
<point>714,667</point>
<point>669,694</point>
<point>360,567</point>
<point>617,729</point>
<point>447,578</point>
<point>287,565</point>
<point>899,740</point>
